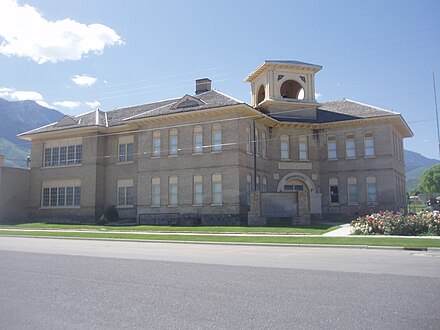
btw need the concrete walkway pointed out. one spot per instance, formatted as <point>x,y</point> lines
<point>344,230</point>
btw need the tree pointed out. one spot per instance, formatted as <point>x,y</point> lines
<point>430,180</point>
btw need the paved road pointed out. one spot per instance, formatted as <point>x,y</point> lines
<point>71,284</point>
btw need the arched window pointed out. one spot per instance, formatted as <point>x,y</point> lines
<point>217,195</point>
<point>350,146</point>
<point>261,94</point>
<point>331,147</point>
<point>155,191</point>
<point>291,89</point>
<point>197,190</point>
<point>172,190</point>
<point>248,139</point>
<point>303,148</point>
<point>216,138</point>
<point>198,139</point>
<point>284,145</point>
<point>172,142</point>
<point>371,190</point>
<point>369,144</point>
<point>333,190</point>
<point>352,190</point>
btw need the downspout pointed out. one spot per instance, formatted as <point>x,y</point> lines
<point>255,158</point>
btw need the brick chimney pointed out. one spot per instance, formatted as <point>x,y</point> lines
<point>203,85</point>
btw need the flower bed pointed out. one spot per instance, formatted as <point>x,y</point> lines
<point>390,223</point>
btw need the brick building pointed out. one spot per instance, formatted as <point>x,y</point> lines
<point>211,159</point>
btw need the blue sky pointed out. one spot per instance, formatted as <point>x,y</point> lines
<point>78,55</point>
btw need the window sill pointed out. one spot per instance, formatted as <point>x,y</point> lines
<point>334,204</point>
<point>350,158</point>
<point>172,156</point>
<point>124,206</point>
<point>155,206</point>
<point>61,166</point>
<point>216,152</point>
<point>197,153</point>
<point>304,160</point>
<point>331,159</point>
<point>58,207</point>
<point>173,205</point>
<point>197,205</point>
<point>366,157</point>
<point>125,163</point>
<point>216,204</point>
<point>155,157</point>
<point>353,204</point>
<point>372,204</point>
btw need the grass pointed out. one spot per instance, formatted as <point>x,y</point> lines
<point>310,230</point>
<point>363,240</point>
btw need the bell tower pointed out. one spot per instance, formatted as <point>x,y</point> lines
<point>286,87</point>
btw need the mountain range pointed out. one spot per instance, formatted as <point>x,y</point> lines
<point>20,116</point>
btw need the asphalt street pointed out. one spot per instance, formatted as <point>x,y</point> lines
<point>74,284</point>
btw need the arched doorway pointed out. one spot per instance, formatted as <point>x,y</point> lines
<point>297,181</point>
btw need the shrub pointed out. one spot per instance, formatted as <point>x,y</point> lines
<point>111,213</point>
<point>389,223</point>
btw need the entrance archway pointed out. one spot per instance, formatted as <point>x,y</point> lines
<point>296,181</point>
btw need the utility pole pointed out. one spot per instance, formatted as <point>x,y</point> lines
<point>436,111</point>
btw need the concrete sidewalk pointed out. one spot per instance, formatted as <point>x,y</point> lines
<point>344,230</point>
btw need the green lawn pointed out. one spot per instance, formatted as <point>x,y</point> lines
<point>364,240</point>
<point>311,230</point>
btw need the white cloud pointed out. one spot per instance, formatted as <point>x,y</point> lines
<point>317,95</point>
<point>94,104</point>
<point>26,33</point>
<point>67,104</point>
<point>84,80</point>
<point>11,94</point>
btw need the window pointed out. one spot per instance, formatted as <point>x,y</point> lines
<point>264,185</point>
<point>61,193</point>
<point>172,191</point>
<point>352,191</point>
<point>156,144</point>
<point>331,147</point>
<point>263,145</point>
<point>334,190</point>
<point>284,147</point>
<point>217,197</point>
<point>350,146</point>
<point>248,189</point>
<point>248,139</point>
<point>257,141</point>
<point>369,144</point>
<point>125,193</point>
<point>172,148</point>
<point>257,182</point>
<point>125,148</point>
<point>198,190</point>
<point>63,152</point>
<point>216,138</point>
<point>155,191</point>
<point>303,150</point>
<point>371,190</point>
<point>198,140</point>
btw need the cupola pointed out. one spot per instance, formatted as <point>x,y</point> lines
<point>279,86</point>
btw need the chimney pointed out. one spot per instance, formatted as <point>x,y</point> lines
<point>203,85</point>
<point>2,160</point>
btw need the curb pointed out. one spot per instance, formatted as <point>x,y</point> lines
<point>359,247</point>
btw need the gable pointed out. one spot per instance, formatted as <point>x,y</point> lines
<point>66,121</point>
<point>187,101</point>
